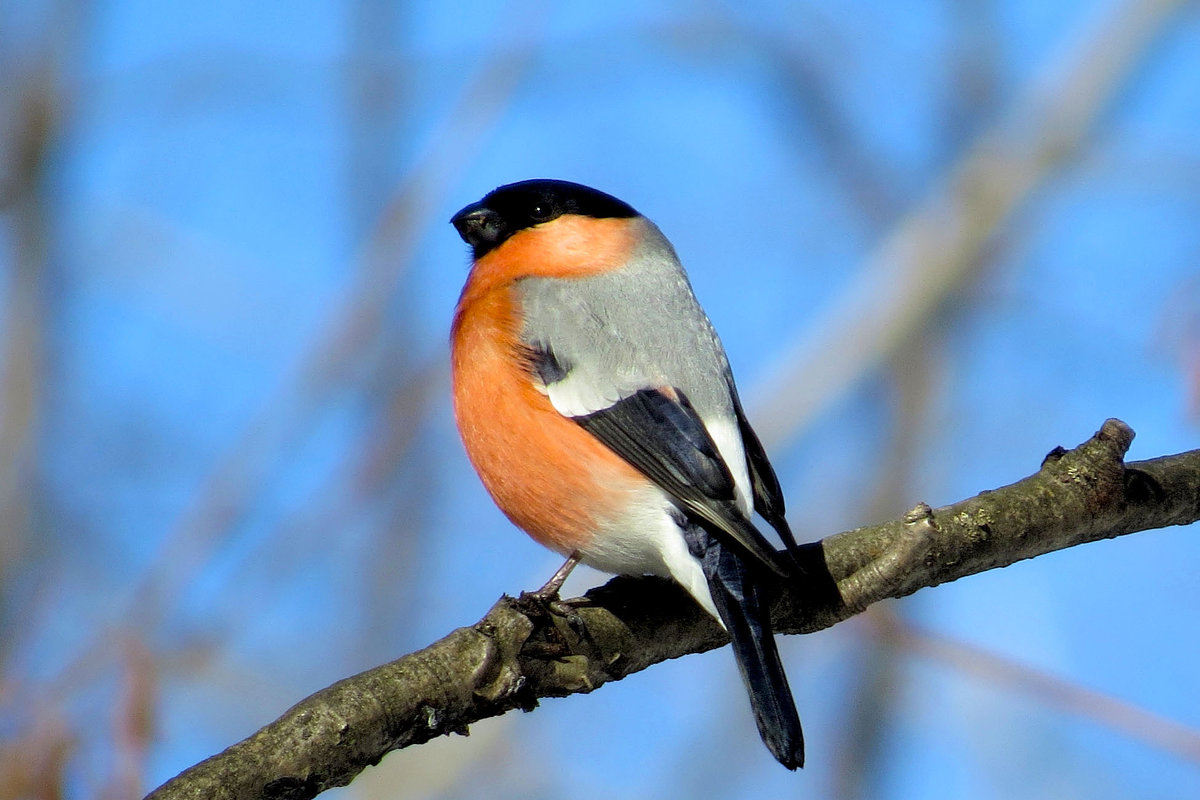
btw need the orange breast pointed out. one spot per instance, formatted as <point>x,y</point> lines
<point>548,475</point>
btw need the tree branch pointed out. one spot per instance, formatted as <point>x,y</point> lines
<point>514,656</point>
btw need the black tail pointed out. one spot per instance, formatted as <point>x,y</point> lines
<point>744,605</point>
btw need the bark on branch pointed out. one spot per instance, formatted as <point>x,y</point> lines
<point>511,658</point>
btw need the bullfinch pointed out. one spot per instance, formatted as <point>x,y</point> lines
<point>597,405</point>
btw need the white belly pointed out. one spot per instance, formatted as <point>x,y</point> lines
<point>646,540</point>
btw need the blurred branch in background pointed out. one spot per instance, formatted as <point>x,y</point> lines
<point>37,741</point>
<point>1003,673</point>
<point>337,357</point>
<point>397,388</point>
<point>33,762</point>
<point>912,371</point>
<point>1180,337</point>
<point>936,246</point>
<point>29,109</point>
<point>868,182</point>
<point>371,470</point>
<point>915,369</point>
<point>133,722</point>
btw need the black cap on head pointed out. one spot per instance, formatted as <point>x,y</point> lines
<point>487,224</point>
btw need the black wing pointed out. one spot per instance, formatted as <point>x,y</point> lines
<point>665,440</point>
<point>768,497</point>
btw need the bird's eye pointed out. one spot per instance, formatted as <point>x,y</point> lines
<point>541,212</point>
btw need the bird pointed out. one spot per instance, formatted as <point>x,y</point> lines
<point>596,403</point>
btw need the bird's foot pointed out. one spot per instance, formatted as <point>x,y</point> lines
<point>545,608</point>
<point>546,604</point>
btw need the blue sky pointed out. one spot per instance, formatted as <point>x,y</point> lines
<point>242,463</point>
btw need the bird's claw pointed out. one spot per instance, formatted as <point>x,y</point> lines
<point>547,606</point>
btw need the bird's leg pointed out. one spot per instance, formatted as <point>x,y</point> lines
<point>546,598</point>
<point>549,593</point>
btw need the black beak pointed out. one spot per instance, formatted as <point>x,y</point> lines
<point>479,226</point>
